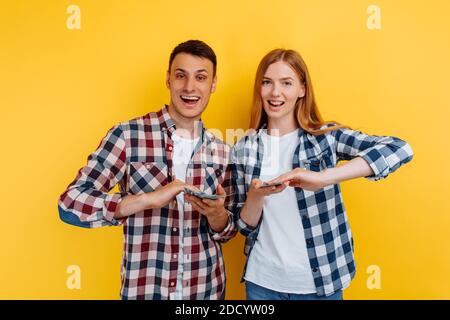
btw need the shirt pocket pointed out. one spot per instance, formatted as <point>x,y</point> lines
<point>318,162</point>
<point>146,176</point>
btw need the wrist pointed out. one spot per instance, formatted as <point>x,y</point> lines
<point>254,197</point>
<point>328,177</point>
<point>218,215</point>
<point>219,221</point>
<point>147,200</point>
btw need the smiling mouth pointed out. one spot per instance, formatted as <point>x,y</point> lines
<point>190,100</point>
<point>275,104</point>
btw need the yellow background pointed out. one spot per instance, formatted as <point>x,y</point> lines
<point>61,90</point>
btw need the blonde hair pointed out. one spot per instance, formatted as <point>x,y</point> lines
<point>306,111</point>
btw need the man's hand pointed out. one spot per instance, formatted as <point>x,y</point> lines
<point>164,195</point>
<point>213,210</point>
<point>156,199</point>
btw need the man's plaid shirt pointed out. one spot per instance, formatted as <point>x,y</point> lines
<point>138,155</point>
<point>327,232</point>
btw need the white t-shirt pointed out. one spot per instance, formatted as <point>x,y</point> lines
<point>182,153</point>
<point>279,259</point>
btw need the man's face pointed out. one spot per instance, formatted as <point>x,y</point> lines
<point>191,82</point>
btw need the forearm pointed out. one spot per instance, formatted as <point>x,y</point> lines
<point>355,168</point>
<point>252,210</point>
<point>132,204</point>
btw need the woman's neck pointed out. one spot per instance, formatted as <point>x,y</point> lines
<point>282,126</point>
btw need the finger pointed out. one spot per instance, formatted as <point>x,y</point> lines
<point>295,184</point>
<point>193,188</point>
<point>197,208</point>
<point>220,190</point>
<point>213,203</point>
<point>277,189</point>
<point>197,202</point>
<point>256,183</point>
<point>285,177</point>
<point>274,180</point>
<point>178,183</point>
<point>280,188</point>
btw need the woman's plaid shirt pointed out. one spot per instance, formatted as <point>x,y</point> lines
<point>137,155</point>
<point>327,232</point>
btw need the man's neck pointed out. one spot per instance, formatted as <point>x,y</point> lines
<point>186,127</point>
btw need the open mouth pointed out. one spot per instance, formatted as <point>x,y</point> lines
<point>190,100</point>
<point>275,103</point>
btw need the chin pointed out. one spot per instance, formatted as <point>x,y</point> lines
<point>190,112</point>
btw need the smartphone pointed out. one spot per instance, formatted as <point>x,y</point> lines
<point>267,185</point>
<point>202,195</point>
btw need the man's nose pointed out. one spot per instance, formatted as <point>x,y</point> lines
<point>189,85</point>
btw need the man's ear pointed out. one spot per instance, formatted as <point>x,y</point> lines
<point>214,83</point>
<point>168,79</point>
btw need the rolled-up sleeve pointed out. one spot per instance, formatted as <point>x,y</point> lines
<point>87,202</point>
<point>384,154</point>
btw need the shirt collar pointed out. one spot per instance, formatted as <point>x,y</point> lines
<point>167,124</point>
<point>264,127</point>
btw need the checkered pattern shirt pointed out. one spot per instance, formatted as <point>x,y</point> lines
<point>137,155</point>
<point>327,232</point>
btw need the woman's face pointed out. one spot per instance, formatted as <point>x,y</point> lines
<point>280,89</point>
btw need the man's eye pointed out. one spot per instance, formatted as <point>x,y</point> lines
<point>201,78</point>
<point>179,76</point>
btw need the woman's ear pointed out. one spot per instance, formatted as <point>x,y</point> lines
<point>302,91</point>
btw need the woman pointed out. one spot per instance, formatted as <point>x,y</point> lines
<point>298,241</point>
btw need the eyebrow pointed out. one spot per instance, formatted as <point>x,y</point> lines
<point>286,78</point>
<point>196,71</point>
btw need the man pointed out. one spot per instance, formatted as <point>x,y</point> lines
<point>172,247</point>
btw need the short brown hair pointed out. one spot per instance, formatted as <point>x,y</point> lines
<point>196,48</point>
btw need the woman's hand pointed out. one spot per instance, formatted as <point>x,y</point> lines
<point>252,210</point>
<point>305,179</point>
<point>257,191</point>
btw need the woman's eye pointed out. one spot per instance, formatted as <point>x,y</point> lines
<point>265,82</point>
<point>287,83</point>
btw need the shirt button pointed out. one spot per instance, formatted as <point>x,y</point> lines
<point>170,148</point>
<point>314,270</point>
<point>174,256</point>
<point>172,284</point>
<point>174,229</point>
<point>305,217</point>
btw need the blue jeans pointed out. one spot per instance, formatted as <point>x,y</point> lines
<point>256,292</point>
